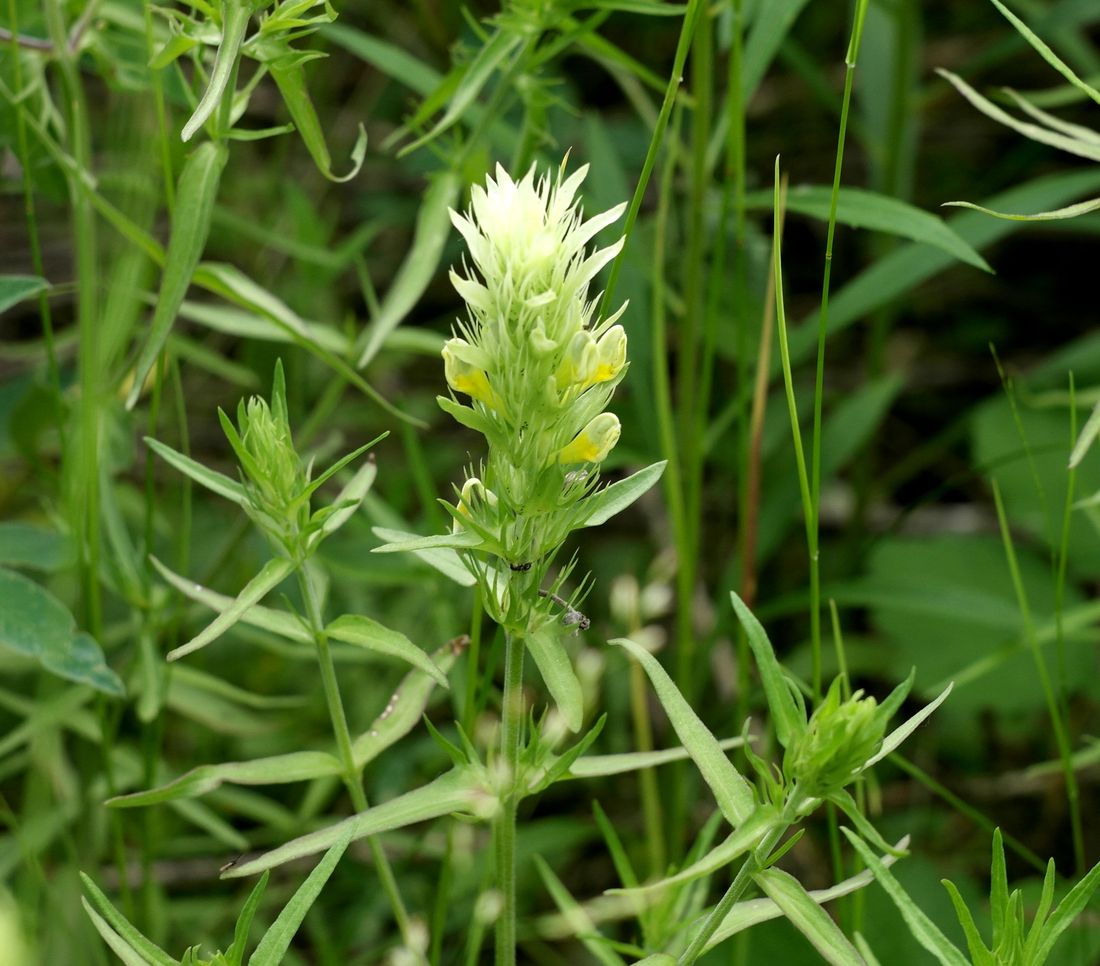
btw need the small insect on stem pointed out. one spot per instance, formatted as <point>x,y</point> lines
<point>229,865</point>
<point>572,615</point>
<point>521,568</point>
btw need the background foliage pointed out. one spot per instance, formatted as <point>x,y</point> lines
<point>947,374</point>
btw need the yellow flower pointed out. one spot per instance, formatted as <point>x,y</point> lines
<point>594,442</point>
<point>464,376</point>
<point>612,354</point>
<point>580,360</point>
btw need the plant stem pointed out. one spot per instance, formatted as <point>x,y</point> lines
<point>753,863</point>
<point>352,776</point>
<point>504,825</point>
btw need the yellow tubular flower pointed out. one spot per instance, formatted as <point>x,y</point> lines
<point>462,376</point>
<point>612,351</point>
<point>594,442</point>
<point>580,361</point>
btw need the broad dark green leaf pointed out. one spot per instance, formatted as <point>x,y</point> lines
<point>37,625</point>
<point>18,288</point>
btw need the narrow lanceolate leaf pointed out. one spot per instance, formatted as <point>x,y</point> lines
<point>738,843</point>
<point>808,917</point>
<point>1058,214</point>
<point>235,16</point>
<point>500,46</point>
<point>578,918</point>
<point>598,766</point>
<point>347,501</point>
<point>405,707</point>
<point>1068,910</point>
<point>195,197</point>
<point>734,795</point>
<point>788,718</point>
<point>149,951</point>
<point>463,540</point>
<point>866,209</point>
<point>602,505</point>
<point>926,932</point>
<point>754,911</point>
<point>1047,54</point>
<point>264,618</point>
<point>18,288</point>
<point>1071,145</point>
<point>235,954</point>
<point>556,668</point>
<point>433,225</point>
<point>211,479</point>
<point>455,791</point>
<point>37,625</point>
<point>893,740</point>
<point>273,573</point>
<point>297,766</point>
<point>276,940</point>
<point>1088,435</point>
<point>365,632</point>
<point>122,949</point>
<point>443,559</point>
<point>290,78</point>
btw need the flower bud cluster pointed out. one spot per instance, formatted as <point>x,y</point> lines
<point>840,738</point>
<point>531,367</point>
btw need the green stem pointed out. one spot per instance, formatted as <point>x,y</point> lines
<point>822,330</point>
<point>353,778</point>
<point>754,862</point>
<point>504,825</point>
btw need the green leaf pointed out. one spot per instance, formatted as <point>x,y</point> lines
<point>118,945</point>
<point>602,505</point>
<point>195,196</point>
<point>29,545</point>
<point>347,502</point>
<point>866,209</point>
<point>926,932</point>
<point>556,668</point>
<point>232,284</point>
<point>808,917</point>
<point>274,572</point>
<point>289,77</point>
<point>149,951</point>
<point>266,619</point>
<point>1071,145</point>
<point>211,479</point>
<point>463,540</point>
<point>893,740</point>
<point>1087,437</point>
<point>18,288</point>
<point>37,625</point>
<point>734,795</point>
<point>738,843</point>
<point>276,940</point>
<point>405,708</point>
<point>235,16</point>
<point>455,791</point>
<point>365,632</point>
<point>764,39</point>
<point>500,46</point>
<point>297,766</point>
<point>443,559</point>
<point>600,766</point>
<point>979,955</point>
<point>433,225</point>
<point>1068,909</point>
<point>235,954</point>
<point>1058,214</point>
<point>1047,54</point>
<point>788,718</point>
<point>389,59</point>
<point>750,913</point>
<point>576,916</point>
